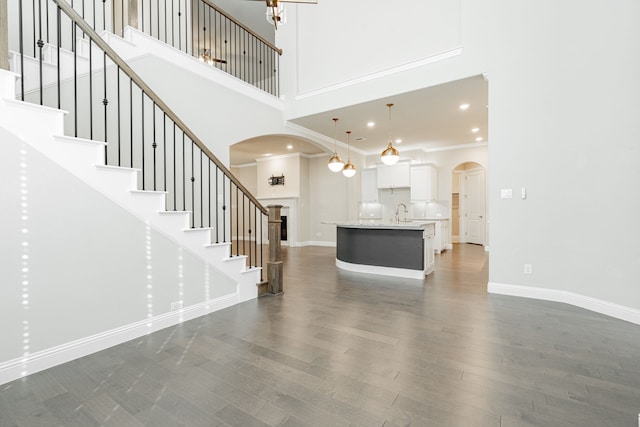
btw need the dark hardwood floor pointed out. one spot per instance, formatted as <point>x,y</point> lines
<point>342,349</point>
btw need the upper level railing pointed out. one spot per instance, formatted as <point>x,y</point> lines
<point>63,63</point>
<point>196,27</point>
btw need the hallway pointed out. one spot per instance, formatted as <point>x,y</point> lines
<point>339,348</point>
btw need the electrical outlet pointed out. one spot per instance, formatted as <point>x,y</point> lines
<point>528,269</point>
<point>176,305</point>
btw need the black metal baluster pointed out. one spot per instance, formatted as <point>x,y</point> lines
<point>21,47</point>
<point>180,26</point>
<point>142,13</point>
<point>184,176</point>
<point>209,189</point>
<point>201,199</point>
<point>249,219</point>
<point>119,118</point>
<point>157,19</point>
<point>142,129</point>
<point>224,212</point>
<point>193,179</point>
<point>90,91</point>
<point>131,122</point>
<point>216,205</point>
<point>237,222</point>
<point>154,145</point>
<point>34,28</point>
<point>40,44</point>
<point>175,190</point>
<point>244,220</point>
<point>59,37</point>
<point>230,214</point>
<point>105,102</point>
<point>164,151</point>
<point>94,14</point>
<point>47,14</point>
<point>74,41</point>
<point>261,243</point>
<point>104,15</point>
<point>165,22</point>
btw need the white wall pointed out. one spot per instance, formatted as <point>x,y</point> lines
<point>563,123</point>
<point>287,165</point>
<point>572,141</point>
<point>75,264</point>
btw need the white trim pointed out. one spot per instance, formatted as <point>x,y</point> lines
<point>384,73</point>
<point>383,271</point>
<point>284,156</point>
<point>322,139</point>
<point>417,147</point>
<point>245,165</point>
<point>599,306</point>
<point>318,243</point>
<point>45,359</point>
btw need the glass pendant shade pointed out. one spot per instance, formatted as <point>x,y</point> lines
<point>335,163</point>
<point>390,155</point>
<point>349,169</point>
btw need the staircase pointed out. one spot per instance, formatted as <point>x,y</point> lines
<point>139,186</point>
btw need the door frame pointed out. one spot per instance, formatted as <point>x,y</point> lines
<point>461,174</point>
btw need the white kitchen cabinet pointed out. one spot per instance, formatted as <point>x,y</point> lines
<point>369,185</point>
<point>424,183</point>
<point>394,176</point>
<point>442,237</point>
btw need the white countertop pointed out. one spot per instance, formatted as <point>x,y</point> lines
<point>402,225</point>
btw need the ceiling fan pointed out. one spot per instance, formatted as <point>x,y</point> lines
<point>275,11</point>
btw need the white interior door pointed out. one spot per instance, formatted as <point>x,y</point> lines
<point>475,206</point>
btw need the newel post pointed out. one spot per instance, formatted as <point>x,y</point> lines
<point>274,265</point>
<point>4,36</point>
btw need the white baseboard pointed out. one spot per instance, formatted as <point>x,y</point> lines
<point>383,271</point>
<point>45,359</point>
<point>599,306</point>
<point>318,243</point>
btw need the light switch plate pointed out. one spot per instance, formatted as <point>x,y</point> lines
<point>506,193</point>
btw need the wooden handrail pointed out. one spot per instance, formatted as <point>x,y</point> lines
<point>86,28</point>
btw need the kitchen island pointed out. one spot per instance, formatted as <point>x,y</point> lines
<point>401,250</point>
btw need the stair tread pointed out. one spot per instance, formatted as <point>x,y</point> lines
<point>75,139</point>
<point>117,169</point>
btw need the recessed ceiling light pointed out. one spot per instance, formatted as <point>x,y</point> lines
<point>289,147</point>
<point>398,141</point>
<point>267,154</point>
<point>464,106</point>
<point>371,124</point>
<point>474,130</point>
<point>479,139</point>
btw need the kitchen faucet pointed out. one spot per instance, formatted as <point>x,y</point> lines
<point>406,211</point>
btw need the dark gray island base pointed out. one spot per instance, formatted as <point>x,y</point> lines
<point>393,250</point>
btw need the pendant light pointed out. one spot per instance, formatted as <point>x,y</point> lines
<point>335,162</point>
<point>349,169</point>
<point>390,155</point>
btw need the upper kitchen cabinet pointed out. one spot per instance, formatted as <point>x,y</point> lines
<point>424,183</point>
<point>369,189</point>
<point>394,176</point>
